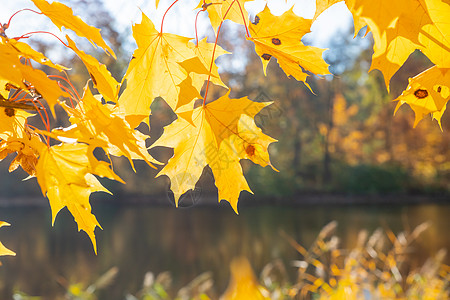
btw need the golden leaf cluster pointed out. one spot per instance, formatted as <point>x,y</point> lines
<point>398,29</point>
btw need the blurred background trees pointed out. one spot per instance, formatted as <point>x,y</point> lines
<point>340,138</point>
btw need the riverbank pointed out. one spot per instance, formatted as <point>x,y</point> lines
<point>210,199</point>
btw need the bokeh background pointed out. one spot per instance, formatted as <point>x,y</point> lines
<point>342,156</point>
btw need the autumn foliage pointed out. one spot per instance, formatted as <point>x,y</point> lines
<point>181,70</point>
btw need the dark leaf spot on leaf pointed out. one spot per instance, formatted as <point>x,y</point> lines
<point>250,150</point>
<point>10,112</point>
<point>420,94</point>
<point>276,41</point>
<point>439,89</point>
<point>256,20</point>
<point>266,56</point>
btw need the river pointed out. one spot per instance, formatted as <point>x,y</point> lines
<point>186,241</point>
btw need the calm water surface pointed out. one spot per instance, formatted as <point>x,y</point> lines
<point>186,242</point>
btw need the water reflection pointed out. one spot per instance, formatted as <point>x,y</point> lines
<point>185,242</point>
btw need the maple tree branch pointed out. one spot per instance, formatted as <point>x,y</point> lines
<point>164,16</point>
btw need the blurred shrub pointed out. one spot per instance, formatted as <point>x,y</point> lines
<point>372,179</point>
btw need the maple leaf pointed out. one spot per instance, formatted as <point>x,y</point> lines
<point>62,16</point>
<point>204,52</point>
<point>24,50</point>
<point>12,122</point>
<point>65,174</point>
<point>154,71</point>
<point>222,133</point>
<point>232,10</point>
<point>438,115</point>
<point>101,77</point>
<point>322,5</point>
<point>41,85</point>
<point>101,125</point>
<point>15,137</point>
<point>400,27</point>
<point>3,249</point>
<point>4,91</point>
<point>427,93</point>
<point>10,72</point>
<point>34,81</point>
<point>27,149</point>
<point>284,43</point>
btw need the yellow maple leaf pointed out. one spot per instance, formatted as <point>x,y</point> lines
<point>27,148</point>
<point>16,137</point>
<point>101,125</point>
<point>222,133</point>
<point>62,16</point>
<point>219,11</point>
<point>434,36</point>
<point>10,62</point>
<point>204,51</point>
<point>24,50</point>
<point>3,249</point>
<point>65,174</point>
<point>284,43</point>
<point>12,122</point>
<point>40,84</point>
<point>32,80</point>
<point>438,115</point>
<point>427,93</point>
<point>4,91</point>
<point>101,77</point>
<point>400,27</point>
<point>154,71</point>
<point>322,5</point>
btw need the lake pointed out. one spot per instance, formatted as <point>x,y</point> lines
<point>186,241</point>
